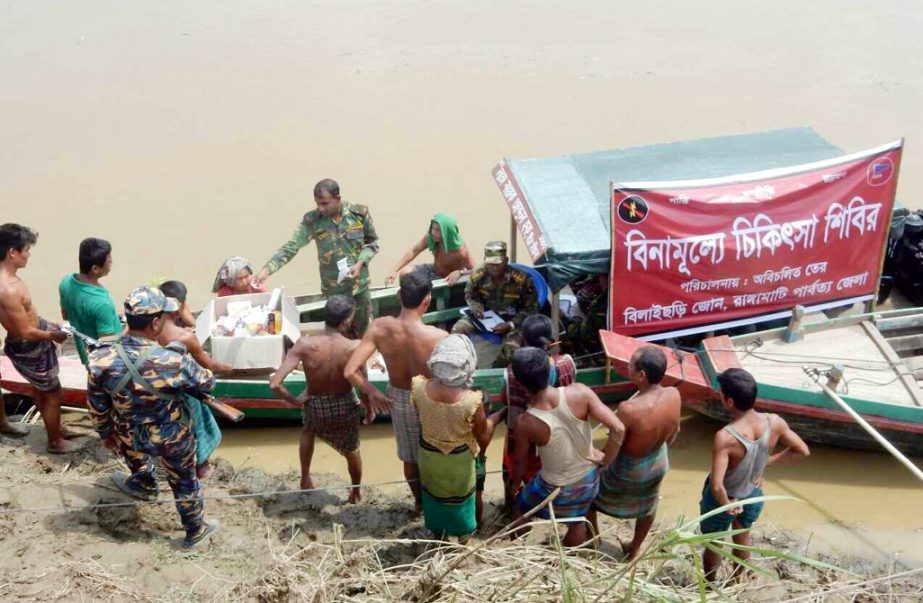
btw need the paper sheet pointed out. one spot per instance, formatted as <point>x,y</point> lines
<point>343,267</point>
<point>491,319</point>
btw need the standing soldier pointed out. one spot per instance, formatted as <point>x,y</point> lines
<point>346,243</point>
<point>135,390</point>
<point>507,291</point>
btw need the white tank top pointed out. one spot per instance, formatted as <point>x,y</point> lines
<point>564,456</point>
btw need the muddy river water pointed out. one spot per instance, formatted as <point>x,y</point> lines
<point>186,132</point>
<point>853,502</point>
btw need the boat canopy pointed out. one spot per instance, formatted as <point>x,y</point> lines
<point>567,198</point>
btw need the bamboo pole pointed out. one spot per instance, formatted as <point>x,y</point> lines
<point>871,430</point>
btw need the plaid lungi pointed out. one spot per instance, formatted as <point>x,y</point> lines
<point>573,500</point>
<point>335,419</point>
<point>630,486</point>
<point>406,423</point>
<point>36,361</point>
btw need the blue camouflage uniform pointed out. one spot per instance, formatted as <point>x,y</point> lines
<point>148,424</point>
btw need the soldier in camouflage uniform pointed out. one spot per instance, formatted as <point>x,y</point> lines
<point>507,291</point>
<point>340,230</point>
<point>135,389</point>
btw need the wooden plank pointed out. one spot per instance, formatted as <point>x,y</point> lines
<point>721,353</point>
<point>905,342</point>
<point>898,324</point>
<point>899,367</point>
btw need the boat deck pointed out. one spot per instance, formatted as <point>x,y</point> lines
<point>873,371</point>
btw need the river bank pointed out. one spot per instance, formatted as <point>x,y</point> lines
<point>312,546</point>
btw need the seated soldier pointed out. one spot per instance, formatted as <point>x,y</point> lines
<point>507,291</point>
<point>451,258</point>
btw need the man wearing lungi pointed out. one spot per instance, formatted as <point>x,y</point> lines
<point>630,487</point>
<point>30,340</point>
<point>558,424</point>
<point>329,407</point>
<point>406,344</point>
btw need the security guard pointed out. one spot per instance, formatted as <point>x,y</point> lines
<point>346,242</point>
<point>135,389</point>
<point>507,291</point>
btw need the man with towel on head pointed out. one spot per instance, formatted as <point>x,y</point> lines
<point>630,487</point>
<point>451,258</point>
<point>406,344</point>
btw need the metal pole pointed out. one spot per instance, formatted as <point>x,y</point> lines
<point>872,431</point>
<point>514,238</point>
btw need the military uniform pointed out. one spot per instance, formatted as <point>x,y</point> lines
<point>150,419</point>
<point>513,298</point>
<point>353,238</point>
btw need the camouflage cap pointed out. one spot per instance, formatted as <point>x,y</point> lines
<point>495,252</point>
<point>149,300</point>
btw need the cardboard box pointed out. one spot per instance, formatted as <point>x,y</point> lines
<point>260,352</point>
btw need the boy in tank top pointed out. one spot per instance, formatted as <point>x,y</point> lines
<point>742,451</point>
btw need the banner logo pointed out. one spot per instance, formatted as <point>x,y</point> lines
<point>880,171</point>
<point>633,210</point>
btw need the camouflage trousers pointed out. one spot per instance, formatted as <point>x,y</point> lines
<point>176,447</point>
<point>512,341</point>
<point>363,315</point>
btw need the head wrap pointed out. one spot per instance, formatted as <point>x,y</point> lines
<point>454,361</point>
<point>451,238</point>
<point>229,271</point>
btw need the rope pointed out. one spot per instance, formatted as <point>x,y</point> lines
<point>136,503</point>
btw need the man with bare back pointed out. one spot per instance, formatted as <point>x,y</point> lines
<point>30,340</point>
<point>406,344</point>
<point>451,258</point>
<point>329,408</point>
<point>204,426</point>
<point>630,487</point>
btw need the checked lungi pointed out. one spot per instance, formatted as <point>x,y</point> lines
<point>573,500</point>
<point>630,486</point>
<point>36,361</point>
<point>406,423</point>
<point>335,419</point>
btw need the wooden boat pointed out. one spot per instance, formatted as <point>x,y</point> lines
<point>572,230</point>
<point>882,356</point>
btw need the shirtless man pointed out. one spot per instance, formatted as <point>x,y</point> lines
<point>329,408</point>
<point>30,339</point>
<point>451,258</point>
<point>742,451</point>
<point>406,344</point>
<point>204,426</point>
<point>173,331</point>
<point>630,487</point>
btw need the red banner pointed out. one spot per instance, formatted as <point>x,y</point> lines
<point>726,250</point>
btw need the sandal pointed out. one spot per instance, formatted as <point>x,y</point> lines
<point>120,479</point>
<point>208,530</point>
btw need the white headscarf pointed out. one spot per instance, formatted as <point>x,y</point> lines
<point>454,361</point>
<point>229,271</point>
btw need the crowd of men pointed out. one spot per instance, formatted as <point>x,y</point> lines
<point>147,381</point>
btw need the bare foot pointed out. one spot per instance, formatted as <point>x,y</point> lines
<point>418,509</point>
<point>307,484</point>
<point>355,495</point>
<point>204,471</point>
<point>63,447</point>
<point>13,429</point>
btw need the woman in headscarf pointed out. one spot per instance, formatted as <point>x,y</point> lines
<point>234,277</point>
<point>452,427</point>
<point>451,259</point>
<point>536,333</point>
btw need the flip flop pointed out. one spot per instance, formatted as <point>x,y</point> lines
<point>120,479</point>
<point>208,530</point>
<point>15,430</point>
<point>68,447</point>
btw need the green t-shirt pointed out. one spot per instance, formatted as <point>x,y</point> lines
<point>89,309</point>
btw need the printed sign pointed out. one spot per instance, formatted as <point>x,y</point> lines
<point>721,250</point>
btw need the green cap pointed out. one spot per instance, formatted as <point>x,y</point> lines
<point>495,252</point>
<point>148,300</point>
